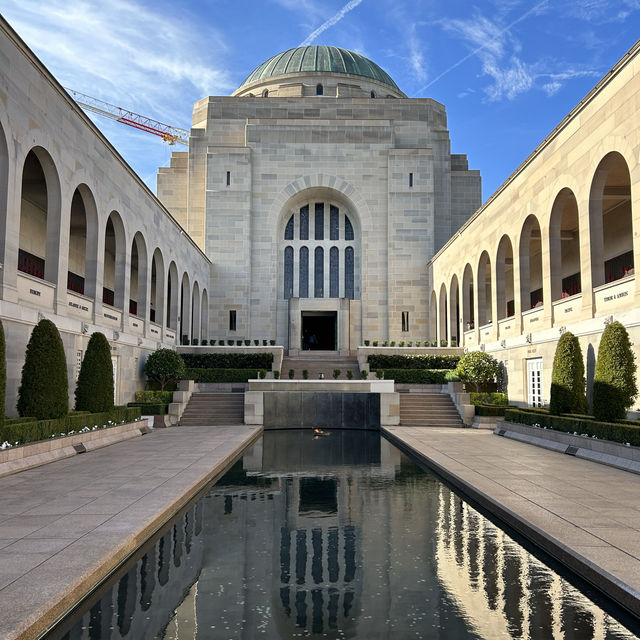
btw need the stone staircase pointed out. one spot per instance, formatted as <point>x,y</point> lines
<point>317,362</point>
<point>428,410</point>
<point>214,408</point>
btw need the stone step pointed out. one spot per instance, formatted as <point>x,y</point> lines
<point>428,410</point>
<point>214,408</point>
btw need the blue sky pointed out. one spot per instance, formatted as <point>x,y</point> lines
<point>507,70</point>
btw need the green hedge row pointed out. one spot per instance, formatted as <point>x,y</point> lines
<point>377,361</point>
<point>158,397</point>
<point>221,375</point>
<point>151,408</point>
<point>419,376</point>
<point>496,399</point>
<point>228,360</point>
<point>624,432</point>
<point>31,430</point>
<point>490,410</point>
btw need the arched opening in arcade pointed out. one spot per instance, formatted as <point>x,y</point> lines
<point>468,311</point>
<point>443,315</point>
<point>138,277</point>
<point>484,290</point>
<point>610,220</point>
<point>156,304</point>
<point>114,262</point>
<point>564,246</point>
<point>39,217</point>
<point>531,265</point>
<point>83,243</point>
<point>504,279</point>
<point>454,312</point>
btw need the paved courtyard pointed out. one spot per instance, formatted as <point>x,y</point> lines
<point>586,514</point>
<point>66,525</point>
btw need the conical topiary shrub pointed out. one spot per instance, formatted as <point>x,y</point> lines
<point>614,380</point>
<point>94,391</point>
<point>567,381</point>
<point>3,374</point>
<point>44,390</point>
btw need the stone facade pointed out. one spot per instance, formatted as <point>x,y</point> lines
<point>555,247</point>
<point>83,241</point>
<point>383,162</point>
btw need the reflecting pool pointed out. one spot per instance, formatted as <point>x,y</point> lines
<point>339,536</point>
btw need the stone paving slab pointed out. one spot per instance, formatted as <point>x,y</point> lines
<point>582,513</point>
<point>66,525</point>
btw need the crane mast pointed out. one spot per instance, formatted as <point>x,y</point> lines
<point>168,133</point>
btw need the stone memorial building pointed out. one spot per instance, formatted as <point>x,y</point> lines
<point>319,191</point>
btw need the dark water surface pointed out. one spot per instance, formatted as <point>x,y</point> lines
<point>338,537</point>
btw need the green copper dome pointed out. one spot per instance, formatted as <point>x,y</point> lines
<point>319,59</point>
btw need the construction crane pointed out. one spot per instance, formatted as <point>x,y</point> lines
<point>169,134</point>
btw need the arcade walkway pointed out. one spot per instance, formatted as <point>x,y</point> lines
<point>64,526</point>
<point>585,514</point>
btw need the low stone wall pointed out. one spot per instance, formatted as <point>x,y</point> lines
<point>340,404</point>
<point>34,454</point>
<point>613,454</point>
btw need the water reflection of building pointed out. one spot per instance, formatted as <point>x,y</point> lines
<point>141,603</point>
<point>502,590</point>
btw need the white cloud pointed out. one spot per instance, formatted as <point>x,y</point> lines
<point>416,55</point>
<point>500,54</point>
<point>333,20</point>
<point>123,52</point>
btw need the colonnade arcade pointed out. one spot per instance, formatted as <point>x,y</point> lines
<point>550,264</point>
<point>93,258</point>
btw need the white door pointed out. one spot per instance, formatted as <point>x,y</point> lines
<point>534,382</point>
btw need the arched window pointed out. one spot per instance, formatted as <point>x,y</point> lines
<point>319,90</point>
<point>318,273</point>
<point>288,231</point>
<point>265,93</point>
<point>334,272</point>
<point>504,279</point>
<point>373,94</point>
<point>304,273</point>
<point>348,229</point>
<point>306,258</point>
<point>349,273</point>
<point>564,246</point>
<point>288,273</point>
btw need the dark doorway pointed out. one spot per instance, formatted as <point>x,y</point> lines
<point>319,330</point>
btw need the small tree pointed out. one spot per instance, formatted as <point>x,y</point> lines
<point>614,384</point>
<point>94,390</point>
<point>567,380</point>
<point>3,374</point>
<point>44,390</point>
<point>336,373</point>
<point>478,370</point>
<point>164,366</point>
<point>292,374</point>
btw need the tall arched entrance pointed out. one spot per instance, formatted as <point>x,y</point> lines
<point>319,270</point>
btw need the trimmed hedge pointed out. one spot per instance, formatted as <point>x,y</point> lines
<point>614,384</point>
<point>158,397</point>
<point>490,410</point>
<point>489,399</point>
<point>25,430</point>
<point>94,390</point>
<point>615,431</point>
<point>150,408</point>
<point>419,376</point>
<point>567,379</point>
<point>43,391</point>
<point>228,360</point>
<point>220,375</point>
<point>379,361</point>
